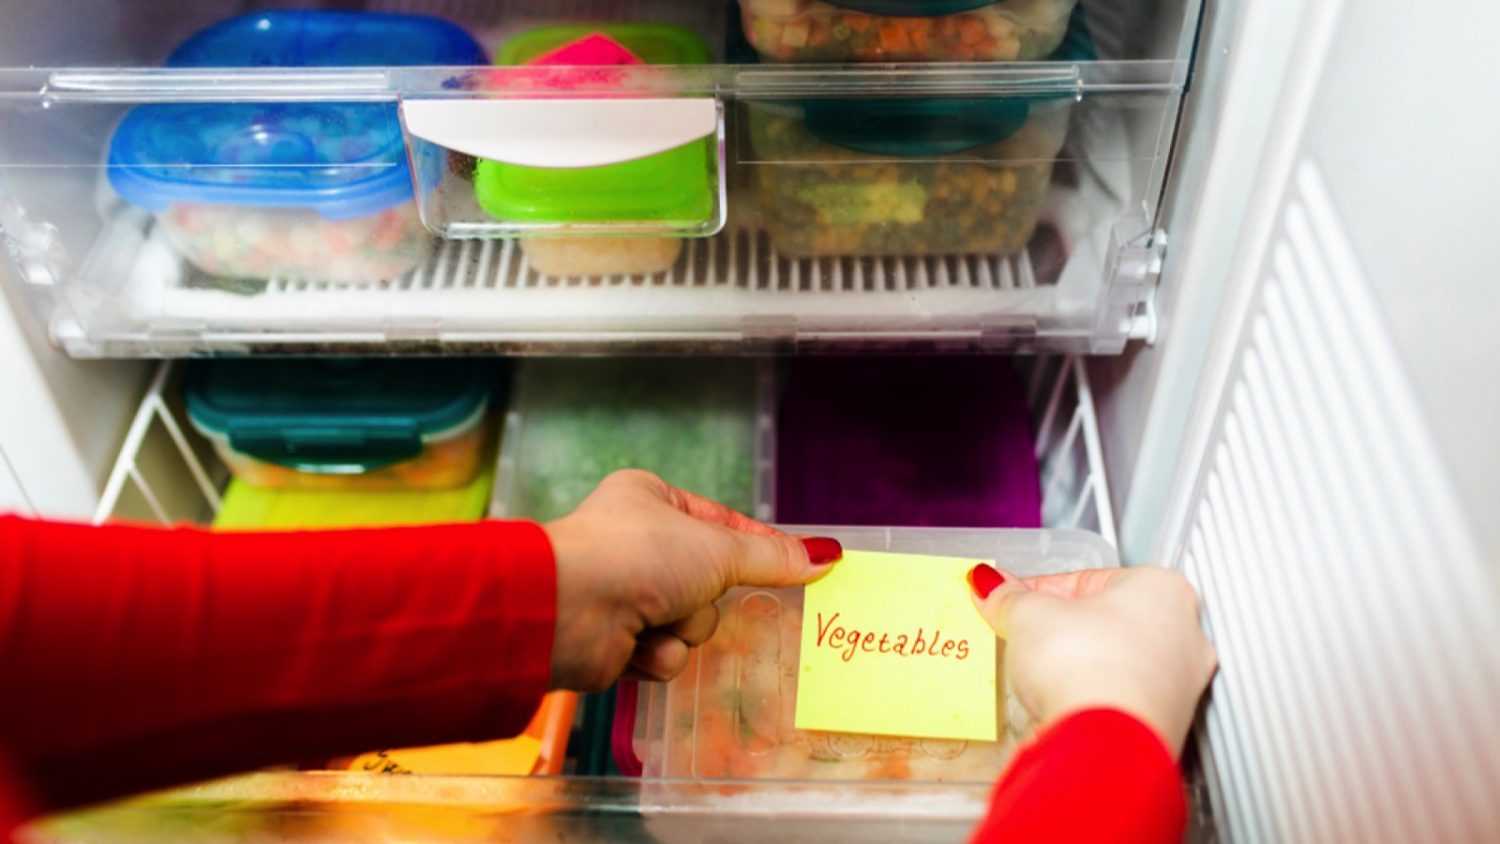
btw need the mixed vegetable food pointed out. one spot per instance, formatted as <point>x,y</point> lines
<point>692,422</point>
<point>819,198</point>
<point>731,714</point>
<point>819,31</point>
<point>236,241</point>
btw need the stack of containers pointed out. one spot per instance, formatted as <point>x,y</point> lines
<point>345,424</point>
<point>315,191</point>
<point>907,175</point>
<point>660,190</point>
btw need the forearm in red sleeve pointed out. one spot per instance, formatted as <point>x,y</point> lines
<point>135,657</point>
<point>1097,775</point>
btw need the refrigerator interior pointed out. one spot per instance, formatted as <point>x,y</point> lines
<point>107,278</point>
<point>168,473</point>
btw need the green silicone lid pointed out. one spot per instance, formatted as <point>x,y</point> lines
<point>358,413</point>
<point>671,186</point>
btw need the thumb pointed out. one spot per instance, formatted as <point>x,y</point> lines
<point>999,596</point>
<point>776,559</point>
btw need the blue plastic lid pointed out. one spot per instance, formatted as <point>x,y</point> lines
<point>342,160</point>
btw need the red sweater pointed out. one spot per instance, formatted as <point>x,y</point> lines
<point>135,658</point>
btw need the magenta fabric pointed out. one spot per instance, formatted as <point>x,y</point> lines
<point>910,442</point>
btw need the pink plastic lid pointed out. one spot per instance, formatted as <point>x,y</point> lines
<point>593,49</point>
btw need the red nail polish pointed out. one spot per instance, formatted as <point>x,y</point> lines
<point>821,550</point>
<point>984,580</point>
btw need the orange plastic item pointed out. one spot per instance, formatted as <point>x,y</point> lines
<point>549,727</point>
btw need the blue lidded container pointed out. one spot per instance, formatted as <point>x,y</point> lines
<point>317,191</point>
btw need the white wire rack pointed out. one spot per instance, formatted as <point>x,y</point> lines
<point>167,473</point>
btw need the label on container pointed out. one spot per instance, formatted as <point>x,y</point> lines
<point>892,645</point>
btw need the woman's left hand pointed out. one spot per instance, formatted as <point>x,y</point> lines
<point>640,564</point>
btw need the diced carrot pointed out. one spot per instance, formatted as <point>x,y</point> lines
<point>819,34</point>
<point>973,30</point>
<point>857,22</point>
<point>893,38</point>
<point>919,40</point>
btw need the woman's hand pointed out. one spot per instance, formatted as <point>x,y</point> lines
<point>639,566</point>
<point>1125,639</point>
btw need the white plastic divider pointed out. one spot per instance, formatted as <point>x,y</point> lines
<point>167,473</point>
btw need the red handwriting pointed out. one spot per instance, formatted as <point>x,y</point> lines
<point>851,641</point>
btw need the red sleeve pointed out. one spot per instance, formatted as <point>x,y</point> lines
<point>1097,775</point>
<point>135,658</point>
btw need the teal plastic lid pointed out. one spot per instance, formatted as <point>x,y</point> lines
<point>671,186</point>
<point>915,127</point>
<point>912,8</point>
<point>351,415</point>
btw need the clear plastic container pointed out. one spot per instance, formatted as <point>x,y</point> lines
<point>697,423</point>
<point>730,714</point>
<point>821,196</point>
<point>310,191</point>
<point>344,424</point>
<point>675,184</point>
<point>905,30</point>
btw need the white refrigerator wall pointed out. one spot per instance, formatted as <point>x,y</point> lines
<point>1316,449</point>
<point>63,420</point>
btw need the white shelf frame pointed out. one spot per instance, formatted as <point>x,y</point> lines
<point>166,473</point>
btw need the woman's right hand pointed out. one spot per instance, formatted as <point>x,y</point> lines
<point>1124,639</point>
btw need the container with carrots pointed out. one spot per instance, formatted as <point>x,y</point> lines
<point>847,31</point>
<point>913,175</point>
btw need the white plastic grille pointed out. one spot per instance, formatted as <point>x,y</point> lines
<point>1354,619</point>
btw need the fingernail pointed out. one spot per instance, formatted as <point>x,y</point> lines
<point>984,580</point>
<point>821,550</point>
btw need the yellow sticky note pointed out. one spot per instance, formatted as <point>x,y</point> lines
<point>892,645</point>
<point>515,757</point>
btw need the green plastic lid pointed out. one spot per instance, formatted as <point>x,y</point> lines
<point>332,414</point>
<point>675,185</point>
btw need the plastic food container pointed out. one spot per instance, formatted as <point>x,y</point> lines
<point>549,728</point>
<point>893,176</point>
<point>344,424</point>
<point>696,423</point>
<point>905,30</point>
<point>730,714</point>
<point>316,191</point>
<point>674,185</point>
<point>956,451</point>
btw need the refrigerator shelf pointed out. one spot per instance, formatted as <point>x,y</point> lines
<point>167,473</point>
<point>734,291</point>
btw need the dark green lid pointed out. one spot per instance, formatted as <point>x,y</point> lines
<point>332,413</point>
<point>912,8</point>
<point>915,127</point>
